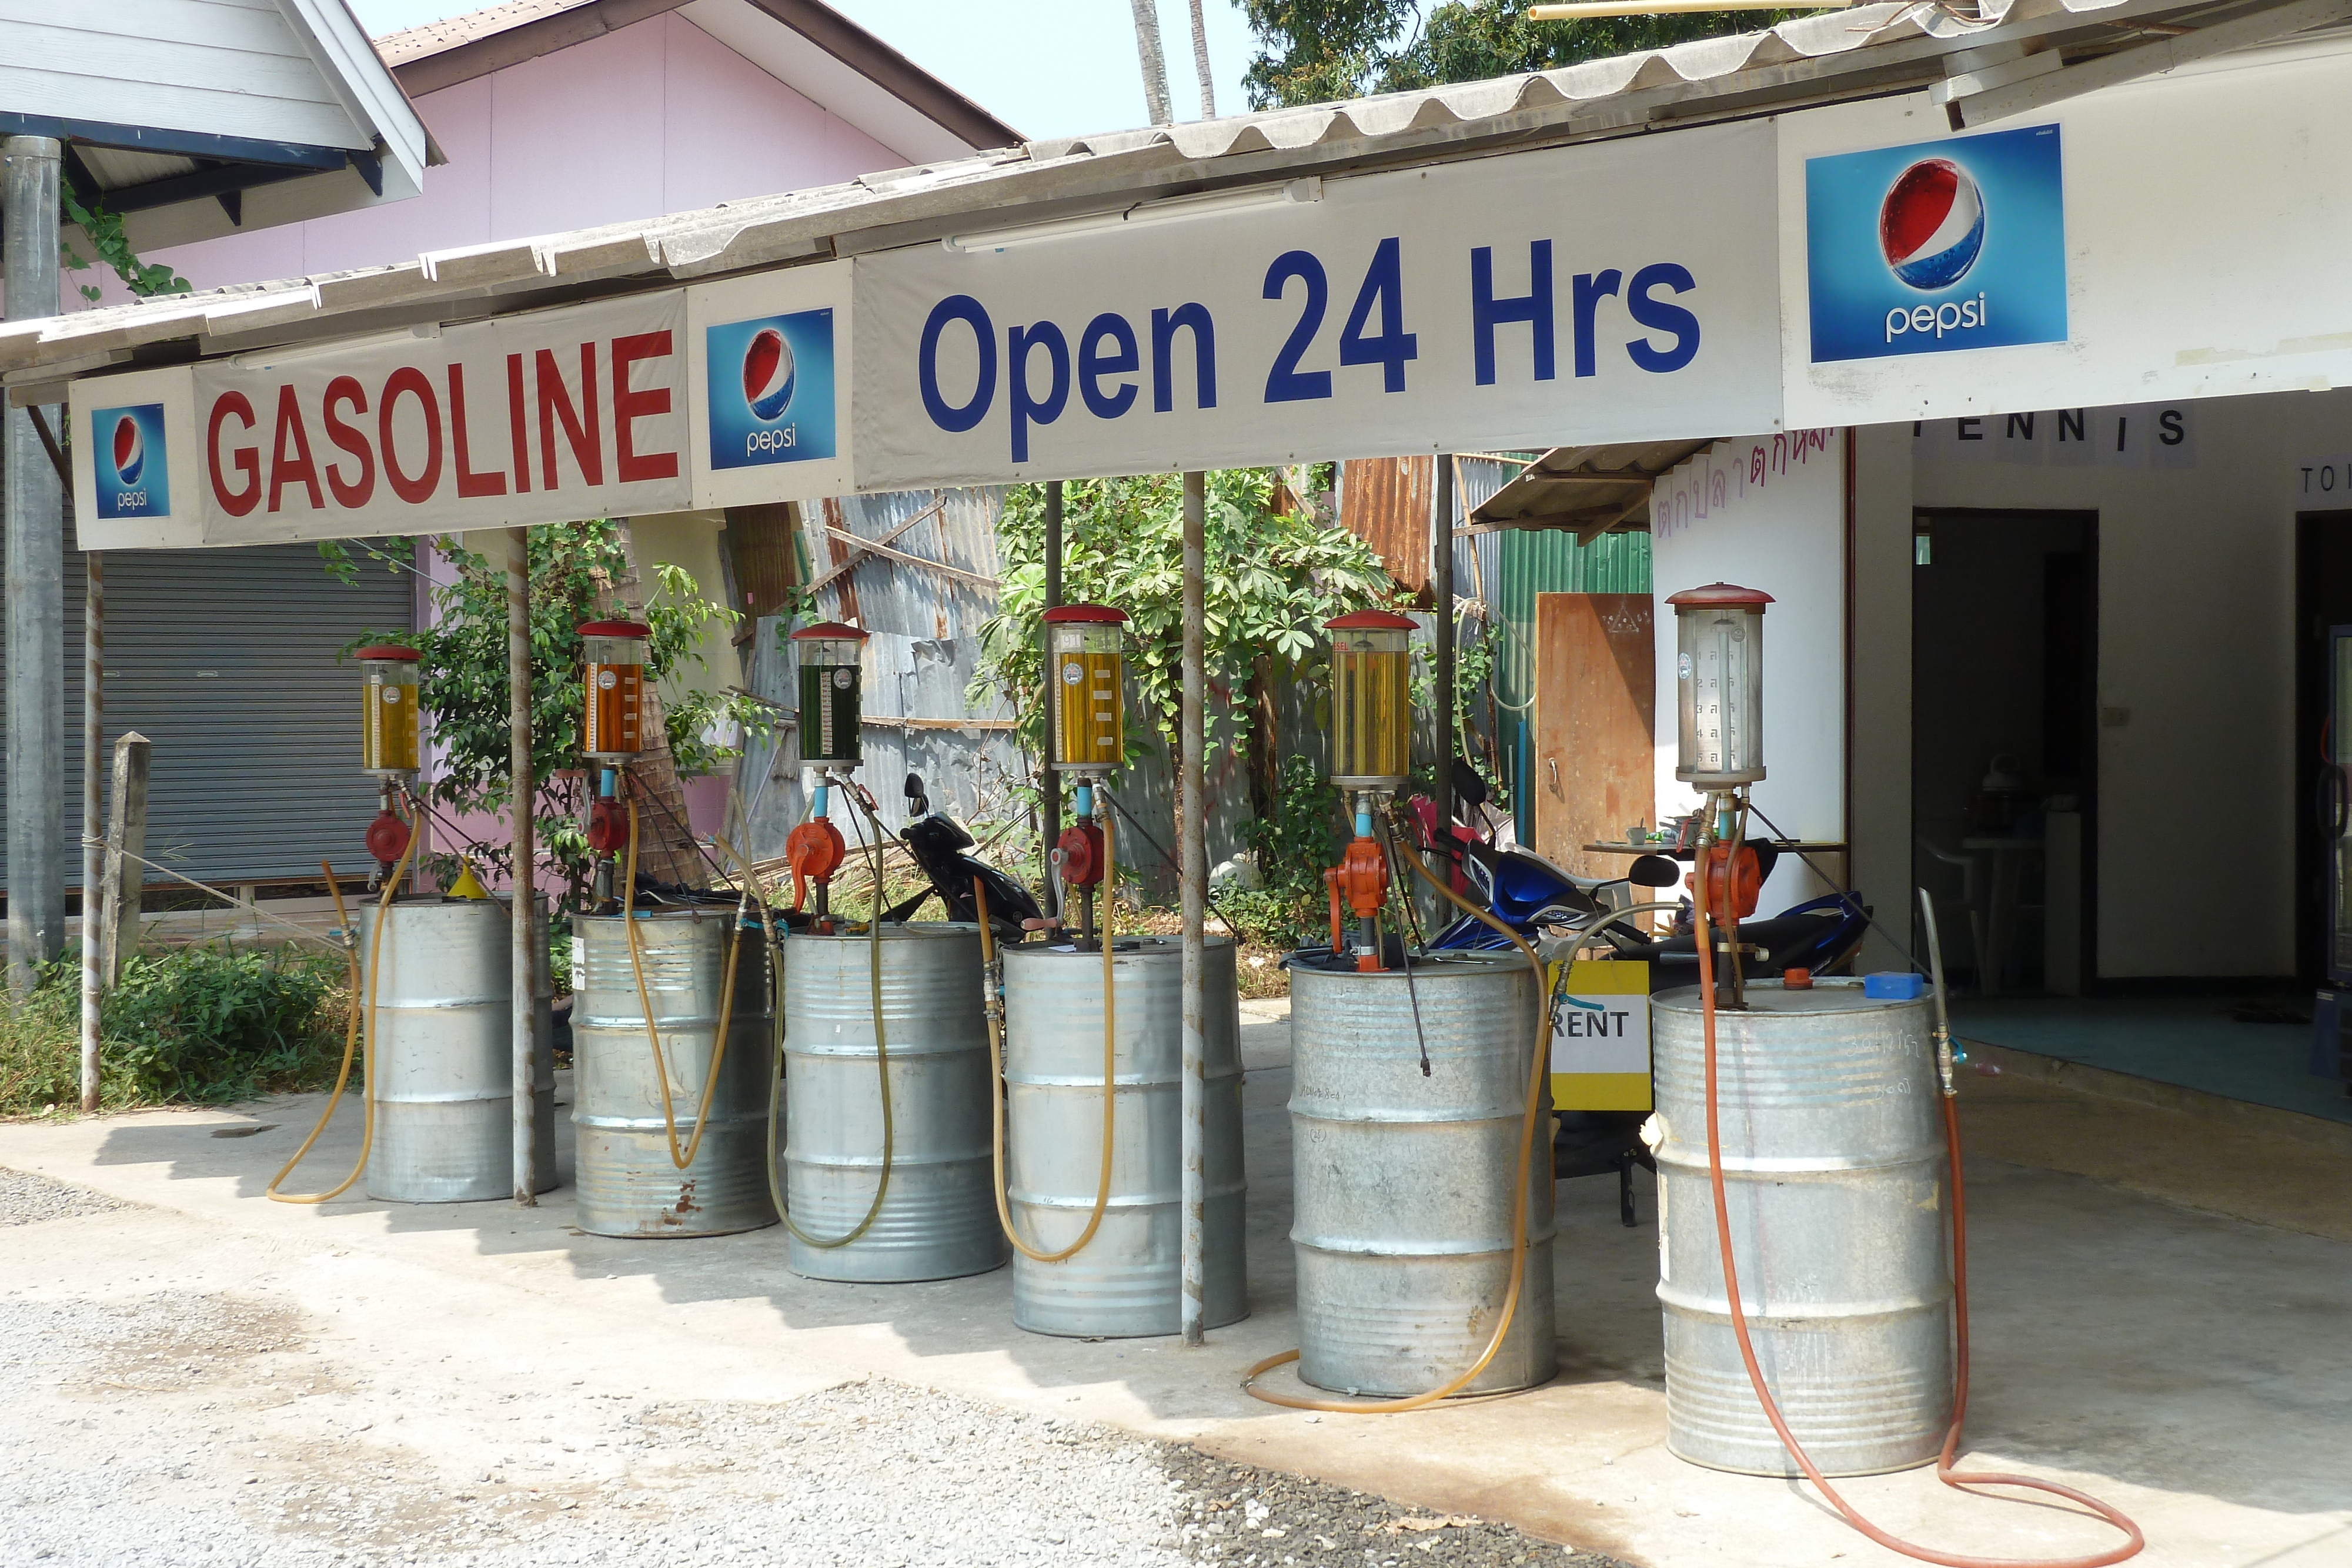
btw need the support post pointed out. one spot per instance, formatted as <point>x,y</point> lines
<point>93,819</point>
<point>126,842</point>
<point>1440,586</point>
<point>35,584</point>
<point>1192,879</point>
<point>1049,783</point>
<point>525,971</point>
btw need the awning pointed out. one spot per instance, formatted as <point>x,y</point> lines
<point>1591,489</point>
<point>1862,52</point>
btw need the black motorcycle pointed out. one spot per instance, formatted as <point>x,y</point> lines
<point>941,845</point>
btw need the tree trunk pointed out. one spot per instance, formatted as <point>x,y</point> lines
<point>1155,65</point>
<point>665,848</point>
<point>1201,64</point>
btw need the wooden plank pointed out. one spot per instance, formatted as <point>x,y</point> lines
<point>843,540</point>
<point>126,842</point>
<point>1596,696</point>
<point>874,546</point>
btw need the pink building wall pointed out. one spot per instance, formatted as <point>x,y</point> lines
<point>658,118</point>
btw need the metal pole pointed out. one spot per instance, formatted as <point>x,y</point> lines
<point>35,584</point>
<point>1440,589</point>
<point>93,817</point>
<point>1192,878</point>
<point>525,970</point>
<point>1049,815</point>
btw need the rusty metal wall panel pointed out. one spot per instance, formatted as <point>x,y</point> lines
<point>1385,501</point>
<point>760,552</point>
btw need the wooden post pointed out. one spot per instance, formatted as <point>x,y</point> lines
<point>126,841</point>
<point>523,971</point>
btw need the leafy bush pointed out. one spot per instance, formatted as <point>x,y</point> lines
<point>187,1026</point>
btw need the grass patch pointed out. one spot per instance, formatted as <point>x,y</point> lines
<point>186,1026</point>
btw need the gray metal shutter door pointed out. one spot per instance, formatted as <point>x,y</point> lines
<point>225,660</point>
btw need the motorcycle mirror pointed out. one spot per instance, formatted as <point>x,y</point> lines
<point>1654,871</point>
<point>1467,785</point>
<point>918,803</point>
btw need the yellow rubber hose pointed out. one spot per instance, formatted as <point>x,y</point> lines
<point>1519,1209</point>
<point>1110,1065</point>
<point>354,1037</point>
<point>653,1032</point>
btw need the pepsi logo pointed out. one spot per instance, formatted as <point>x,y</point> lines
<point>1931,224</point>
<point>130,450</point>
<point>768,374</point>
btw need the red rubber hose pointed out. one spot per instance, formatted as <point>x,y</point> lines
<point>1963,1481</point>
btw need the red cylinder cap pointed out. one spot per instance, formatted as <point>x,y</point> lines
<point>616,629</point>
<point>1062,613</point>
<point>833,631</point>
<point>390,651</point>
<point>1369,621</point>
<point>1723,595</point>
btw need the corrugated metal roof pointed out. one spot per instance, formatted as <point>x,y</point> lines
<point>1864,50</point>
<point>1385,501</point>
<point>1591,489</point>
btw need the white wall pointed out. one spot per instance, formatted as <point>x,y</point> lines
<point>2196,601</point>
<point>1767,512</point>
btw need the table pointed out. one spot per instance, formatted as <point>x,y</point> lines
<point>2006,860</point>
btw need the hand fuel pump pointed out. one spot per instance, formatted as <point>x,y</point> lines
<point>388,744</point>
<point>1861,1308</point>
<point>1087,674</point>
<point>1372,740</point>
<point>831,656</point>
<point>613,687</point>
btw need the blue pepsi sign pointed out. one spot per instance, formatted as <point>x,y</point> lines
<point>132,469</point>
<point>770,389</point>
<point>1937,246</point>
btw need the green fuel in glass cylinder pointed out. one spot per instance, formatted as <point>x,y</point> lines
<point>831,688</point>
<point>829,713</point>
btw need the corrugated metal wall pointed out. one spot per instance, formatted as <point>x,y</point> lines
<point>225,660</point>
<point>924,651</point>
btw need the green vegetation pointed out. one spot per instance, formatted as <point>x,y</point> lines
<point>104,229</point>
<point>1274,577</point>
<point>187,1026</point>
<point>464,683</point>
<point>1314,51</point>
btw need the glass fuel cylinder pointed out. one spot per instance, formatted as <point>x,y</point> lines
<point>1719,685</point>
<point>614,653</point>
<point>830,692</point>
<point>388,716</point>
<point>1086,668</point>
<point>1371,700</point>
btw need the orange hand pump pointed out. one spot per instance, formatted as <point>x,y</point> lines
<point>814,850</point>
<point>1361,878</point>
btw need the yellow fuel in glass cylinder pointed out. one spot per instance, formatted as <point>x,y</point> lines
<point>1086,668</point>
<point>1371,700</point>
<point>614,653</point>
<point>388,714</point>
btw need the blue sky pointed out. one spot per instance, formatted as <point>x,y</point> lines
<point>1047,68</point>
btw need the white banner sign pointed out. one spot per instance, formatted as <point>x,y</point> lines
<point>1625,291</point>
<point>715,395</point>
<point>579,412</point>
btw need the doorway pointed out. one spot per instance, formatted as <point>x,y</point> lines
<point>2323,581</point>
<point>2004,743</point>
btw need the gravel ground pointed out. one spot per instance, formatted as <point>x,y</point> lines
<point>204,1430</point>
<point>28,1199</point>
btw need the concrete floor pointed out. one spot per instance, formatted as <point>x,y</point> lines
<point>2161,1318</point>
